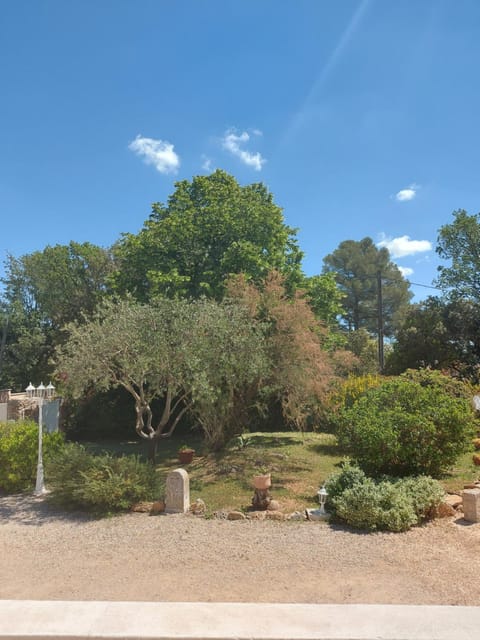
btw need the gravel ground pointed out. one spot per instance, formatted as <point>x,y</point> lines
<point>46,554</point>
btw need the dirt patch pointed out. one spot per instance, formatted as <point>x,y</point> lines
<point>47,554</point>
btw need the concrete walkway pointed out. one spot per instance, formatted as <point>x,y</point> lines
<point>68,620</point>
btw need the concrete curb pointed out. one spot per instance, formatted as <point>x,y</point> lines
<point>68,620</point>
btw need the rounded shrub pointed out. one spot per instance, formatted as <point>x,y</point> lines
<point>389,504</point>
<point>371,506</point>
<point>349,476</point>
<point>404,428</point>
<point>19,454</point>
<point>101,484</point>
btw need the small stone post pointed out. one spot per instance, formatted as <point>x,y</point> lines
<point>177,492</point>
<point>471,505</point>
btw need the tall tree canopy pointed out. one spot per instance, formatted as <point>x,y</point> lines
<point>356,265</point>
<point>43,291</point>
<point>59,283</point>
<point>459,242</point>
<point>211,227</point>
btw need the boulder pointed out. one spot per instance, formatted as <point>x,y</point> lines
<point>141,507</point>
<point>198,507</point>
<point>453,500</point>
<point>235,515</point>
<point>273,505</point>
<point>296,515</point>
<point>256,515</point>
<point>445,510</point>
<point>275,515</point>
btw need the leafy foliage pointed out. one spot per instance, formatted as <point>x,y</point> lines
<point>404,428</point>
<point>19,454</point>
<point>301,370</point>
<point>459,242</point>
<point>388,504</point>
<point>210,228</point>
<point>345,392</point>
<point>324,297</point>
<point>101,484</point>
<point>197,356</point>
<point>441,334</point>
<point>44,290</point>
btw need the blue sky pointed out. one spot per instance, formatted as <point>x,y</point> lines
<point>361,116</point>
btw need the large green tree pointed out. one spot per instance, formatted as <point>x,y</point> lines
<point>459,242</point>
<point>43,291</point>
<point>210,228</point>
<point>357,266</point>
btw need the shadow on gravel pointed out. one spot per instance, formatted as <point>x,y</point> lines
<point>30,510</point>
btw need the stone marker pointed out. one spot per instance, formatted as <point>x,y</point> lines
<point>471,505</point>
<point>177,493</point>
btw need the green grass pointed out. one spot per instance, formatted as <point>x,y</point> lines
<point>299,465</point>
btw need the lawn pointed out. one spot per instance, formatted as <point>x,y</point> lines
<point>299,465</point>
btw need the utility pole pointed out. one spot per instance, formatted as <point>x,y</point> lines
<point>381,360</point>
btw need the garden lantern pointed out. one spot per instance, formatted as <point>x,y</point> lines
<point>322,498</point>
<point>30,390</point>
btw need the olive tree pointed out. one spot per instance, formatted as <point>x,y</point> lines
<point>192,355</point>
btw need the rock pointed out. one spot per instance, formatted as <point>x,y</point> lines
<point>317,514</point>
<point>235,515</point>
<point>141,507</point>
<point>453,500</point>
<point>296,515</point>
<point>275,515</point>
<point>476,459</point>
<point>273,505</point>
<point>445,510</point>
<point>257,515</point>
<point>470,485</point>
<point>198,507</point>
<point>158,507</point>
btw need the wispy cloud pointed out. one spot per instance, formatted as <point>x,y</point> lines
<point>405,271</point>
<point>407,194</point>
<point>206,163</point>
<point>404,246</point>
<point>159,153</point>
<point>234,142</point>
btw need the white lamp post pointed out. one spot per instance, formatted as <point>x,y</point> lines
<point>41,393</point>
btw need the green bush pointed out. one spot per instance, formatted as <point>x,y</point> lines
<point>343,396</point>
<point>389,504</point>
<point>19,454</point>
<point>101,484</point>
<point>376,506</point>
<point>404,427</point>
<point>425,493</point>
<point>348,477</point>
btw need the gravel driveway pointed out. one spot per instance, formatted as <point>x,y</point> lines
<point>46,554</point>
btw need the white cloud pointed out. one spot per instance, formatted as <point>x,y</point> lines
<point>233,143</point>
<point>156,152</point>
<point>405,271</point>
<point>404,246</point>
<point>206,163</point>
<point>407,194</point>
